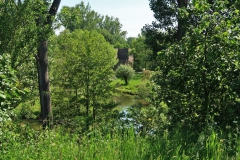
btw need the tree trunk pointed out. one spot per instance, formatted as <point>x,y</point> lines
<point>87,99</point>
<point>181,30</point>
<point>44,85</point>
<point>42,66</point>
<point>126,80</point>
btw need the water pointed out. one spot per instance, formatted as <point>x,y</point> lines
<point>126,101</point>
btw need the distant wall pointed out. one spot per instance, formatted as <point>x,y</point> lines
<point>123,57</point>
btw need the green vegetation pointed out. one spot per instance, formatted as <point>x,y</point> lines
<point>141,52</point>
<point>9,93</point>
<point>82,61</point>
<point>60,144</point>
<point>83,17</point>
<point>133,85</point>
<point>198,77</point>
<point>125,72</point>
<point>193,87</point>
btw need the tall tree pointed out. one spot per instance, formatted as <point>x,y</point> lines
<point>83,64</point>
<point>42,63</point>
<point>82,16</point>
<point>111,29</point>
<point>25,25</point>
<point>169,25</point>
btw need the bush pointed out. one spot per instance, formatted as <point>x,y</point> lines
<point>125,72</point>
<point>146,74</point>
<point>143,90</point>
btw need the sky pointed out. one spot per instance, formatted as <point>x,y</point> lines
<point>132,14</point>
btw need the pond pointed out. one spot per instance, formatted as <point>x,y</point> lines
<point>126,101</point>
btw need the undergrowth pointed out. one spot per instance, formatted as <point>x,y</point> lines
<point>22,142</point>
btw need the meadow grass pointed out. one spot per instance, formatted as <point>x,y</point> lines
<point>132,87</point>
<point>115,145</point>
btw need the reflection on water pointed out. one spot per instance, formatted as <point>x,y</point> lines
<point>128,100</point>
<point>126,119</point>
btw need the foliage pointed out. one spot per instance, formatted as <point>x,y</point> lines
<point>9,91</point>
<point>19,33</point>
<point>80,16</point>
<point>125,72</point>
<point>83,17</point>
<point>17,29</point>
<point>196,85</point>
<point>132,87</point>
<point>198,78</point>
<point>82,71</point>
<point>143,90</point>
<point>19,40</point>
<point>154,118</point>
<point>141,53</point>
<point>146,74</point>
<point>169,26</point>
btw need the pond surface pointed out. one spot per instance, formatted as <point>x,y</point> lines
<point>126,101</point>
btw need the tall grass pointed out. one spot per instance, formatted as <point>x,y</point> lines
<point>115,145</point>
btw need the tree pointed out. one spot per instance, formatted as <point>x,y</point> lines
<point>141,53</point>
<point>198,78</point>
<point>125,72</point>
<point>18,41</point>
<point>25,25</point>
<point>82,70</point>
<point>114,27</point>
<point>80,16</point>
<point>169,26</point>
<point>83,17</point>
<point>42,61</point>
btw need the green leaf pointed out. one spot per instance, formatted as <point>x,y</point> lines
<point>2,95</point>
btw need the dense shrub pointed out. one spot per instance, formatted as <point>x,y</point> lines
<point>125,72</point>
<point>146,74</point>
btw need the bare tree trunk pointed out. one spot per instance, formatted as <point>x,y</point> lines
<point>42,64</point>
<point>44,84</point>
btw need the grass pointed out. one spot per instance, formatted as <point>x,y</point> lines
<point>132,86</point>
<point>117,144</point>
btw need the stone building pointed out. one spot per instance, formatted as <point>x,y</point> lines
<point>124,57</point>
